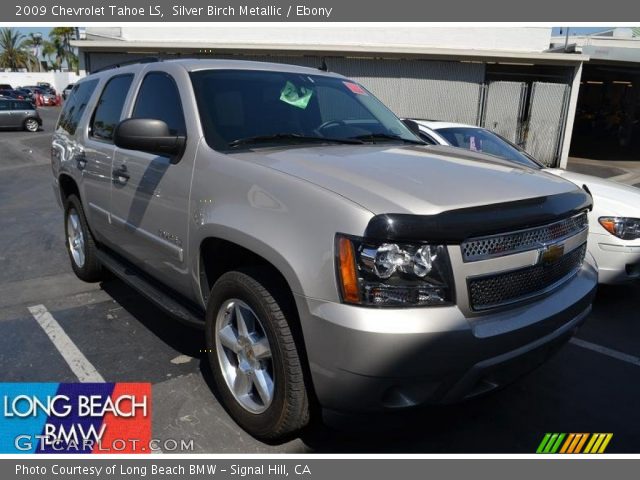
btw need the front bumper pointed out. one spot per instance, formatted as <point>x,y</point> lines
<point>618,260</point>
<point>368,360</point>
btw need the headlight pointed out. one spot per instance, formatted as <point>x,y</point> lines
<point>388,274</point>
<point>621,227</point>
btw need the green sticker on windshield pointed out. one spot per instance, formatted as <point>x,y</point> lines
<point>298,97</point>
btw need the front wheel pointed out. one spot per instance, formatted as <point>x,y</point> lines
<point>254,357</point>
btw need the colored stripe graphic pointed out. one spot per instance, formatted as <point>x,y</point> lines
<point>75,417</point>
<point>573,443</point>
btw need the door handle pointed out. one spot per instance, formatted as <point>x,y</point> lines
<point>121,175</point>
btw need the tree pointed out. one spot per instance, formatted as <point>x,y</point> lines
<point>14,52</point>
<point>60,40</point>
<point>34,42</point>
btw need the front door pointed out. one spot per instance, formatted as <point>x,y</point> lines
<point>150,193</point>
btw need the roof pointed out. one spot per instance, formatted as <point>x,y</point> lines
<point>194,64</point>
<point>387,51</point>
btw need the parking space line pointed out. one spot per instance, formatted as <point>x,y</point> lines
<point>624,357</point>
<point>80,366</point>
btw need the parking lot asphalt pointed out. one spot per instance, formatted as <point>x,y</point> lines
<point>591,385</point>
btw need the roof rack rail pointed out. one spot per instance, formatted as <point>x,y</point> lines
<point>129,62</point>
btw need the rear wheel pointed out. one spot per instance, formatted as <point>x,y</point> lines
<point>79,241</point>
<point>31,125</point>
<point>254,356</point>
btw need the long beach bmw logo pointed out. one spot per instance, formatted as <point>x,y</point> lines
<point>549,254</point>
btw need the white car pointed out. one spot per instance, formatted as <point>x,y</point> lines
<point>614,222</point>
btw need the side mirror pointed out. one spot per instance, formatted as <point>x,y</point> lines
<point>149,135</point>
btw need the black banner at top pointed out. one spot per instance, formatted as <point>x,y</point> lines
<point>81,11</point>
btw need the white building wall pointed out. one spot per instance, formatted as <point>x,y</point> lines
<point>512,39</point>
<point>59,80</point>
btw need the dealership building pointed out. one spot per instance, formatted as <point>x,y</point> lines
<point>503,78</point>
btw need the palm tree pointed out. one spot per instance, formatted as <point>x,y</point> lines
<point>61,39</point>
<point>34,42</point>
<point>54,53</point>
<point>14,53</point>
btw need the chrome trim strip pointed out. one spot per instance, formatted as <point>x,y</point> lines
<point>524,247</point>
<point>177,251</point>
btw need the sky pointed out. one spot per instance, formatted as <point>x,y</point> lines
<point>27,30</point>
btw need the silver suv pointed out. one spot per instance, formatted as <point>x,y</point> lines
<point>332,259</point>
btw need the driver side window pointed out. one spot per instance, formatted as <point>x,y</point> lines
<point>159,99</point>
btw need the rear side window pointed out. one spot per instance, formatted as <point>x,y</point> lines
<point>107,114</point>
<point>22,106</point>
<point>75,105</point>
<point>159,99</point>
<point>4,105</point>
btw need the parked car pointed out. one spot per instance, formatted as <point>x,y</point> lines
<point>19,114</point>
<point>331,258</point>
<point>47,98</point>
<point>614,222</point>
<point>26,94</point>
<point>67,90</point>
<point>5,86</point>
<point>47,87</point>
<point>11,94</point>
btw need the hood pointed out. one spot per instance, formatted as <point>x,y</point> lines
<point>609,198</point>
<point>410,179</point>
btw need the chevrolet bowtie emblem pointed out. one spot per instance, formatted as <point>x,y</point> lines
<point>550,253</point>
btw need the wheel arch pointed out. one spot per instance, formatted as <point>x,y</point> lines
<point>68,186</point>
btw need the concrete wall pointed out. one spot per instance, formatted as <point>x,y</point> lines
<point>58,79</point>
<point>514,39</point>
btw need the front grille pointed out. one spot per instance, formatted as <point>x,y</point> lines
<point>517,285</point>
<point>522,240</point>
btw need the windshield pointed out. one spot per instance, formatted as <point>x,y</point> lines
<point>481,140</point>
<point>241,108</point>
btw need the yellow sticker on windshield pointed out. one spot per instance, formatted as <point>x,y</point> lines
<point>296,96</point>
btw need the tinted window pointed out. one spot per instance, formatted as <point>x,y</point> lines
<point>480,140</point>
<point>75,105</point>
<point>22,106</point>
<point>4,105</point>
<point>243,104</point>
<point>159,99</point>
<point>107,114</point>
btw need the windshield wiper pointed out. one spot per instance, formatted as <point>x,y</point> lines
<point>292,137</point>
<point>386,136</point>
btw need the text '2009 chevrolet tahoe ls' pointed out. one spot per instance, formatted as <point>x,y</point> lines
<point>331,257</point>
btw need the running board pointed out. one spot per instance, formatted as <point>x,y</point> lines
<point>136,280</point>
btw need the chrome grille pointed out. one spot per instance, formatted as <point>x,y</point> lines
<point>522,240</point>
<point>517,285</point>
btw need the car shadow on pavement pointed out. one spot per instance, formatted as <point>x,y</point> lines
<point>182,338</point>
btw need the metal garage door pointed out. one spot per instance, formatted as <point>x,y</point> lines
<point>547,115</point>
<point>449,91</point>
<point>504,108</point>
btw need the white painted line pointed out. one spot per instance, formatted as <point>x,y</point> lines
<point>624,357</point>
<point>76,360</point>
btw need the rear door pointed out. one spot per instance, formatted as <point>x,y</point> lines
<point>96,158</point>
<point>150,194</point>
<point>5,114</point>
<point>20,112</point>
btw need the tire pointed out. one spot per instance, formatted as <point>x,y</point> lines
<point>79,241</point>
<point>31,125</point>
<point>288,410</point>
